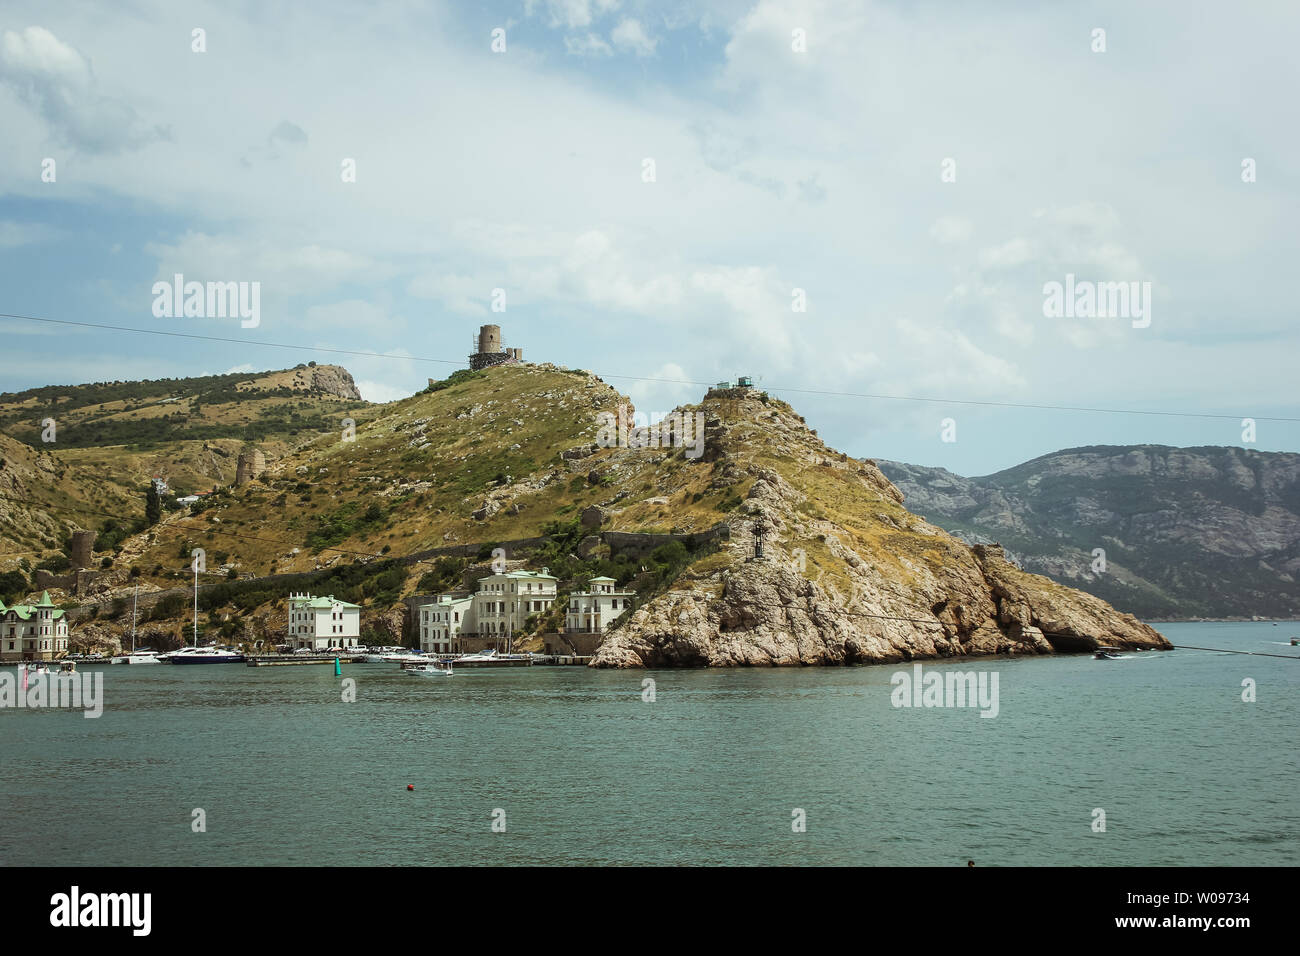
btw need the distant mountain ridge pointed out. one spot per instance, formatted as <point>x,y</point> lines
<point>1210,531</point>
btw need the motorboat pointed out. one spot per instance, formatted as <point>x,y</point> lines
<point>403,657</point>
<point>137,657</point>
<point>1104,653</point>
<point>204,655</point>
<point>491,658</point>
<point>429,668</point>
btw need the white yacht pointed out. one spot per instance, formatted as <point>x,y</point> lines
<point>137,657</point>
<point>402,657</point>
<point>204,655</point>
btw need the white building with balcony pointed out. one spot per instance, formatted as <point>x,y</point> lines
<point>33,632</point>
<point>442,622</point>
<point>593,610</point>
<point>319,623</point>
<point>505,601</point>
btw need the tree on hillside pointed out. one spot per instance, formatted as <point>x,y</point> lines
<point>152,506</point>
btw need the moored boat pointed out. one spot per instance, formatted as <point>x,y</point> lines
<point>403,658</point>
<point>204,655</point>
<point>143,656</point>
<point>491,658</point>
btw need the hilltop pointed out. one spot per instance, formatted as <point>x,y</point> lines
<point>1187,532</point>
<point>246,406</point>
<point>90,469</point>
<point>510,454</point>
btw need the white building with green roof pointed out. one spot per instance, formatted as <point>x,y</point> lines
<point>319,623</point>
<point>33,632</point>
<point>505,601</point>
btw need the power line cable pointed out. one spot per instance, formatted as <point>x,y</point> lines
<point>672,381</point>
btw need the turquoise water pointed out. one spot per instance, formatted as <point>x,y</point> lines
<point>709,773</point>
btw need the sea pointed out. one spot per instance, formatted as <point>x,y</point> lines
<point>1186,757</point>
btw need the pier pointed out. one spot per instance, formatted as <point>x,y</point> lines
<point>288,660</point>
<point>463,662</point>
<point>562,660</point>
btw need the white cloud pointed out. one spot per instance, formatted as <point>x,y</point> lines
<point>657,398</point>
<point>57,82</point>
<point>382,391</point>
<point>14,234</point>
<point>588,44</point>
<point>631,36</point>
<point>951,229</point>
<point>283,269</point>
<point>1013,252</point>
<point>573,13</point>
<point>465,295</point>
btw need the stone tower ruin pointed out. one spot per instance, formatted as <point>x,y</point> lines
<point>80,554</point>
<point>491,350</point>
<point>251,465</point>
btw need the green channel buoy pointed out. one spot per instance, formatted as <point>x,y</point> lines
<point>338,668</point>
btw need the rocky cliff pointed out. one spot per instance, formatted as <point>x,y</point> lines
<point>1184,532</point>
<point>320,380</point>
<point>847,575</point>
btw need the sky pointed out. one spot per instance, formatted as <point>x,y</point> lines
<point>859,204</point>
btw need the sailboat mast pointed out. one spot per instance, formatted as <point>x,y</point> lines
<point>196,604</point>
<point>135,597</point>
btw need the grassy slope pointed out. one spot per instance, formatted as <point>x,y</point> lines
<point>194,442</point>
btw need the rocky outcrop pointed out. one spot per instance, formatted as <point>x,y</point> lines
<point>389,624</point>
<point>846,575</point>
<point>334,380</point>
<point>767,614</point>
